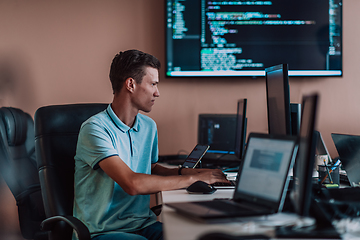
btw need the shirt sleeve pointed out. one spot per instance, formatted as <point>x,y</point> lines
<point>94,144</point>
<point>155,152</point>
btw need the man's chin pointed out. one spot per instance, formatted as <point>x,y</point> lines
<point>146,110</point>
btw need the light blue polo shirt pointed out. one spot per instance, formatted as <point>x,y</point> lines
<point>99,201</point>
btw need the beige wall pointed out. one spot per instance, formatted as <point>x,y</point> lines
<point>54,52</point>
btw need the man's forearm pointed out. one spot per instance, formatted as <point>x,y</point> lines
<point>160,179</point>
<point>158,169</point>
<point>166,171</point>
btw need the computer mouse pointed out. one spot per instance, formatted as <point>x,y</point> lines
<point>200,187</point>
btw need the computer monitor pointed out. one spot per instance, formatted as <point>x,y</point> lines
<point>278,100</point>
<point>301,195</point>
<point>241,125</point>
<point>230,38</point>
<point>305,159</point>
<point>218,131</point>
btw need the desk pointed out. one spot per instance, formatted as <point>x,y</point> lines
<point>178,227</point>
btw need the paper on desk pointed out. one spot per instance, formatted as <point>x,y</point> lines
<point>231,175</point>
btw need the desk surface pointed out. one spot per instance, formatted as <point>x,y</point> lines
<point>178,227</point>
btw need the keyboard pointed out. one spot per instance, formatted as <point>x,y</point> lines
<point>222,184</point>
<point>225,206</point>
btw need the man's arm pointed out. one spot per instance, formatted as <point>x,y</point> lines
<point>162,179</point>
<point>164,171</point>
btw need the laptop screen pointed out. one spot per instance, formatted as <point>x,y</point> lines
<point>265,167</point>
<point>218,131</point>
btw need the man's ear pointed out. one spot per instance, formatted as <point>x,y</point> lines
<point>130,84</point>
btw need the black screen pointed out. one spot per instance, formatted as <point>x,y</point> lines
<point>242,38</point>
<point>278,100</point>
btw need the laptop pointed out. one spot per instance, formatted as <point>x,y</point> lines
<point>226,135</point>
<point>261,184</point>
<point>348,148</point>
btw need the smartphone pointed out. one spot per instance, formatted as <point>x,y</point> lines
<point>195,156</point>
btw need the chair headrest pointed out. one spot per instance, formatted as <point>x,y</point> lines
<point>15,121</point>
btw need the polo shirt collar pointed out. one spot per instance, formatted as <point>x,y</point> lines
<point>119,124</point>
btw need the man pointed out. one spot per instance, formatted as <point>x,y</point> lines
<point>116,155</point>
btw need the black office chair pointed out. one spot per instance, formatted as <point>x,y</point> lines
<point>18,168</point>
<point>56,133</point>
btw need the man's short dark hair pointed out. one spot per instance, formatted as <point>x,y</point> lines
<point>130,63</point>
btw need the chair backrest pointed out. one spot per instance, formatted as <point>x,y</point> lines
<point>56,133</point>
<point>18,168</point>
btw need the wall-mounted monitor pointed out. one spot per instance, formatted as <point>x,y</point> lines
<point>242,38</point>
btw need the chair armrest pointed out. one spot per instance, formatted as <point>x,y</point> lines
<point>157,209</point>
<point>156,203</point>
<point>80,228</point>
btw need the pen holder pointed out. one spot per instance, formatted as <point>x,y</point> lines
<point>334,175</point>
